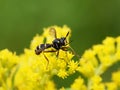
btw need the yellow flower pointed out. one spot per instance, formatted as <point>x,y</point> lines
<point>116,77</point>
<point>96,79</point>
<point>87,69</point>
<point>8,59</point>
<point>109,45</point>
<point>50,86</point>
<point>99,86</point>
<point>95,83</point>
<point>100,57</point>
<point>89,56</point>
<point>107,53</point>
<point>97,60</point>
<point>8,68</point>
<point>72,66</point>
<point>118,48</point>
<point>78,84</point>
<point>62,73</point>
<point>61,64</point>
<point>111,86</point>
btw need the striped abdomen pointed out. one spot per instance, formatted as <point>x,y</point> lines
<point>41,48</point>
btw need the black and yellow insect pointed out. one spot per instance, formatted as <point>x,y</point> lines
<point>57,44</point>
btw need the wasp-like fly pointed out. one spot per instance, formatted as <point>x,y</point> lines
<point>57,44</point>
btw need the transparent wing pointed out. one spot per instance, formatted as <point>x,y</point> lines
<point>52,32</point>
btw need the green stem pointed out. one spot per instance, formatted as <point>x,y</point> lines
<point>13,77</point>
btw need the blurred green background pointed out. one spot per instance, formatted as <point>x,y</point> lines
<point>90,20</point>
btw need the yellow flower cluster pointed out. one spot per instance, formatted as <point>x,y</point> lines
<point>8,69</point>
<point>29,71</point>
<point>94,62</point>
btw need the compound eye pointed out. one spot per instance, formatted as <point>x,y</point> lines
<point>38,48</point>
